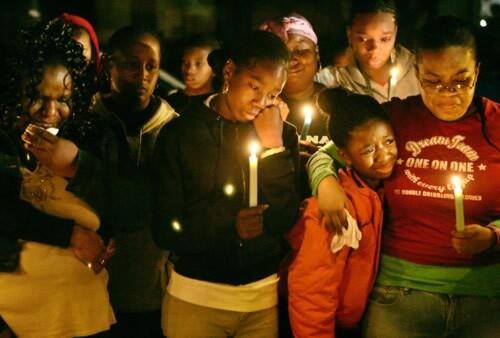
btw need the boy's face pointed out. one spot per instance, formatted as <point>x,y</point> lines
<point>196,71</point>
<point>134,72</point>
<point>371,150</point>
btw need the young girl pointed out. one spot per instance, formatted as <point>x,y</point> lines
<point>380,68</point>
<point>197,74</point>
<point>225,253</point>
<point>330,279</point>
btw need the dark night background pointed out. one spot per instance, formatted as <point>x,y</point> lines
<point>177,19</point>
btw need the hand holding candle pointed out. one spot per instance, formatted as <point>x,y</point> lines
<point>308,112</point>
<point>253,174</point>
<point>459,203</point>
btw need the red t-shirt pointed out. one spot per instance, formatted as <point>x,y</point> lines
<point>421,212</point>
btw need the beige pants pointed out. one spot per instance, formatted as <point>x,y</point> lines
<point>185,320</point>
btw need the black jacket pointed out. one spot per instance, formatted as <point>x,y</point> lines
<point>196,156</point>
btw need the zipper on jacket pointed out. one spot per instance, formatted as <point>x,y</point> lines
<point>139,148</point>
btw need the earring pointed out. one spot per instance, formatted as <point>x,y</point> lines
<point>393,56</point>
<point>225,87</point>
<point>319,60</point>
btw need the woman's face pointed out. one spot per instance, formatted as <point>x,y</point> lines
<point>134,71</point>
<point>303,63</point>
<point>371,150</point>
<point>52,104</point>
<point>251,89</point>
<point>447,78</point>
<point>372,37</point>
<point>196,71</point>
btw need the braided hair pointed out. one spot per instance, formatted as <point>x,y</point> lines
<point>247,51</point>
<point>348,111</point>
<point>39,46</point>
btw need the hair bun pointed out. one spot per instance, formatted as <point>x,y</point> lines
<point>217,58</point>
<point>330,99</point>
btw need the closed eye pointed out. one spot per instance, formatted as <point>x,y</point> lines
<point>389,141</point>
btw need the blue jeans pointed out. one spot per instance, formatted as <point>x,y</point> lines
<point>395,312</point>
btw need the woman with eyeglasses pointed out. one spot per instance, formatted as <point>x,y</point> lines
<point>435,279</point>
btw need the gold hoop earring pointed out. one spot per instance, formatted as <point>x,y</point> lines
<point>225,87</point>
<point>393,55</point>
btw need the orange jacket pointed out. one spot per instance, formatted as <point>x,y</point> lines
<point>326,289</point>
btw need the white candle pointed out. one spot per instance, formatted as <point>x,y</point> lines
<point>459,203</point>
<point>308,112</point>
<point>253,174</point>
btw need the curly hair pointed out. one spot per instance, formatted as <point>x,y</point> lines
<point>39,46</point>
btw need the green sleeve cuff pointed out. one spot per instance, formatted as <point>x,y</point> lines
<point>496,223</point>
<point>322,164</point>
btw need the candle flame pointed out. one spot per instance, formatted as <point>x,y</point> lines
<point>457,182</point>
<point>254,148</point>
<point>308,113</point>
<point>394,75</point>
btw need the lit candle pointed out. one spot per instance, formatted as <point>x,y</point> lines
<point>253,165</point>
<point>459,203</point>
<point>394,75</point>
<point>308,112</point>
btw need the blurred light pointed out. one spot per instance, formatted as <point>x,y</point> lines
<point>229,189</point>
<point>394,75</point>
<point>457,182</point>
<point>254,148</point>
<point>308,113</point>
<point>176,226</point>
<point>34,13</point>
<point>483,23</point>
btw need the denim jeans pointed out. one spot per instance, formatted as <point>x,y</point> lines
<point>395,312</point>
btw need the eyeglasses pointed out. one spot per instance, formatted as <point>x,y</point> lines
<point>455,86</point>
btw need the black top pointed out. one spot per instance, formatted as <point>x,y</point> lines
<point>318,131</point>
<point>182,102</point>
<point>196,156</point>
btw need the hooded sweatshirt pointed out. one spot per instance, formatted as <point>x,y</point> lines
<point>352,78</point>
<point>137,269</point>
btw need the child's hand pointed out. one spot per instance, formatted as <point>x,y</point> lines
<point>250,221</point>
<point>332,201</point>
<point>473,240</point>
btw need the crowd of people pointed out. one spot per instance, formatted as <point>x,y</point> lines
<point>224,210</point>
